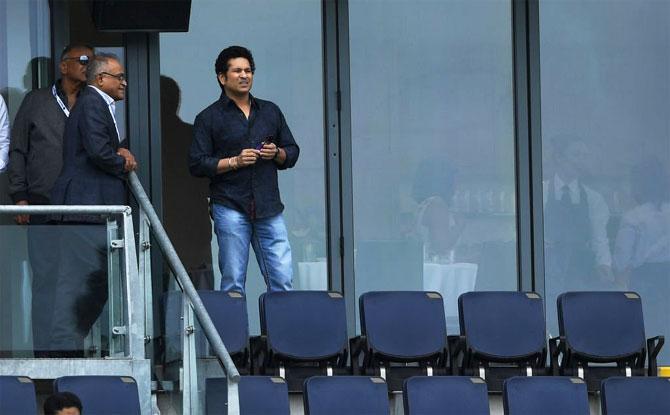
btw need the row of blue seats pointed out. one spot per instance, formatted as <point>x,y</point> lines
<point>325,395</point>
<point>99,395</point>
<point>445,395</point>
<point>403,334</point>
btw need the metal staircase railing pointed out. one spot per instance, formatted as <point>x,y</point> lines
<point>138,321</point>
<point>184,281</point>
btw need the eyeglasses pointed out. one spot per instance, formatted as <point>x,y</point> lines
<point>83,59</point>
<point>119,76</point>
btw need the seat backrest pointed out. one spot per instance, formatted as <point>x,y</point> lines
<point>258,395</point>
<point>337,395</point>
<point>445,395</point>
<point>636,395</point>
<point>502,324</point>
<point>304,325</point>
<point>228,311</point>
<point>547,395</point>
<point>404,324</point>
<point>605,324</point>
<point>103,395</point>
<point>17,395</point>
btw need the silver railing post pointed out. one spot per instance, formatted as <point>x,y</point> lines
<point>144,261</point>
<point>190,401</point>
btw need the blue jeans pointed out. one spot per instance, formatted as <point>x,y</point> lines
<point>269,238</point>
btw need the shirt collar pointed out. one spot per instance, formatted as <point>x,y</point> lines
<point>59,89</point>
<point>109,100</point>
<point>61,92</point>
<point>227,101</point>
<point>573,186</point>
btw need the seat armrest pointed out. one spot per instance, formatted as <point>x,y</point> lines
<point>257,351</point>
<point>556,346</point>
<point>457,346</point>
<point>654,346</point>
<point>357,346</point>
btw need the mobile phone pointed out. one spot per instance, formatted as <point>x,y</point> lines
<point>269,139</point>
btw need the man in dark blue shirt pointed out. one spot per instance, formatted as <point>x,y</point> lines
<point>240,142</point>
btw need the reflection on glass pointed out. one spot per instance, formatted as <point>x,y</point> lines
<point>55,282</point>
<point>27,43</point>
<point>433,150</point>
<point>606,152</point>
<point>182,192</point>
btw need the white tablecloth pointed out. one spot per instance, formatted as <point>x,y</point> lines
<point>450,280</point>
<point>312,276</point>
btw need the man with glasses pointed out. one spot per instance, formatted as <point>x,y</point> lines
<point>95,163</point>
<point>35,160</point>
<point>240,142</point>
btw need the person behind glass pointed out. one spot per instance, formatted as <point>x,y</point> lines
<point>35,160</point>
<point>575,221</point>
<point>240,142</point>
<point>438,227</point>
<point>642,245</point>
<point>95,163</point>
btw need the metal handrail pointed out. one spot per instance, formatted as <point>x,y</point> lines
<point>63,209</point>
<point>163,242</point>
<point>184,280</point>
<point>133,363</point>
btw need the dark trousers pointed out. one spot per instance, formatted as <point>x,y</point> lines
<point>81,291</point>
<point>43,252</point>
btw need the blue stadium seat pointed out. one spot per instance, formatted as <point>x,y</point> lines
<point>638,395</point>
<point>351,395</point>
<point>502,335</point>
<point>445,395</point>
<point>400,328</point>
<point>546,395</point>
<point>259,395</point>
<point>17,395</point>
<point>103,395</point>
<point>303,333</point>
<point>602,327</point>
<point>228,311</point>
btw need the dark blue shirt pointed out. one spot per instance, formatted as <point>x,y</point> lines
<point>220,131</point>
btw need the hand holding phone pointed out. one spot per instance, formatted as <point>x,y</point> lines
<point>268,150</point>
<point>268,140</point>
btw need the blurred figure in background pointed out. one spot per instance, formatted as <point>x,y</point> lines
<point>642,247</point>
<point>4,135</point>
<point>437,226</point>
<point>577,254</point>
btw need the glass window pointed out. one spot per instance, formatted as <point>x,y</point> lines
<point>433,147</point>
<point>25,64</point>
<point>25,58</point>
<point>605,69</point>
<point>289,72</point>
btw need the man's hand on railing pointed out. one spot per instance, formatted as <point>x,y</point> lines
<point>22,219</point>
<point>131,164</point>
